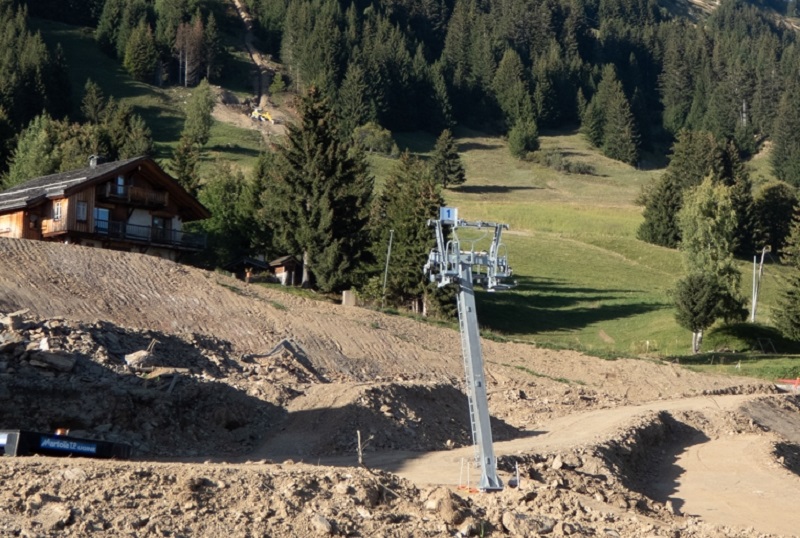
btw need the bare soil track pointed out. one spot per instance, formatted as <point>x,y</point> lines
<point>605,448</point>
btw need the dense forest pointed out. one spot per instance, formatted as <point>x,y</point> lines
<point>630,72</point>
<point>635,77</point>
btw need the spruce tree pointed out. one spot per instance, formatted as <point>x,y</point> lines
<point>785,156</point>
<point>511,89</point>
<point>197,126</point>
<point>663,203</point>
<point>593,121</point>
<point>6,136</point>
<point>36,153</point>
<point>695,155</point>
<point>93,103</point>
<point>140,53</point>
<point>698,304</point>
<point>139,140</point>
<point>319,196</point>
<point>620,135</point>
<point>212,48</point>
<point>523,138</point>
<point>787,316</point>
<point>354,108</point>
<point>446,163</point>
<point>774,207</point>
<point>184,165</point>
<point>409,198</point>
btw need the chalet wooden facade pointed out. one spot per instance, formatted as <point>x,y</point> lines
<point>130,205</point>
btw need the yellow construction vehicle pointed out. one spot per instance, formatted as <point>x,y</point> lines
<point>261,115</point>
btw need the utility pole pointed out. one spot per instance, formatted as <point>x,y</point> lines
<point>448,264</point>
<point>386,270</point>
<point>757,281</point>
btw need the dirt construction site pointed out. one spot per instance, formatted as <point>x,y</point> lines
<point>242,406</point>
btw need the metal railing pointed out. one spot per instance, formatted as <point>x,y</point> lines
<point>148,234</point>
<point>135,194</point>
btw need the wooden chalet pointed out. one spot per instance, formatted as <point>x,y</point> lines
<point>130,205</point>
<point>287,270</point>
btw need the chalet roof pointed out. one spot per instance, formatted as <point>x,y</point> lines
<point>245,262</point>
<point>35,191</point>
<point>284,260</point>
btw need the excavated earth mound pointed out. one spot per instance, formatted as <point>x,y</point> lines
<point>243,405</point>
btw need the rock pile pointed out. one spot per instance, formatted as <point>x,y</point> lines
<point>63,374</point>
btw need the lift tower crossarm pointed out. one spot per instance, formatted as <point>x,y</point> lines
<point>448,264</point>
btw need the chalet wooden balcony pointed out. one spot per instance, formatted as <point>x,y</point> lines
<point>135,233</point>
<point>134,195</point>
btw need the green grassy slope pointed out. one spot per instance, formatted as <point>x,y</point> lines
<point>585,281</point>
<point>161,108</point>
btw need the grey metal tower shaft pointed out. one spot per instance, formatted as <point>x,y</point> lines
<point>475,381</point>
<point>448,264</point>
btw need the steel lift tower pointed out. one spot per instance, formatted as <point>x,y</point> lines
<point>449,264</point>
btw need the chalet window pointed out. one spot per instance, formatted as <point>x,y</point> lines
<point>161,230</point>
<point>56,210</point>
<point>82,211</point>
<point>101,216</point>
<point>120,190</point>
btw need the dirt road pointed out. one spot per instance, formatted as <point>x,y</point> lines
<point>729,480</point>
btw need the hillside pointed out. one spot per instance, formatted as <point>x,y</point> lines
<point>598,442</point>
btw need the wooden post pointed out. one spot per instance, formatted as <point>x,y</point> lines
<point>360,453</point>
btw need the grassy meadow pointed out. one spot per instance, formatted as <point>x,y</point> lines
<point>161,108</point>
<point>583,279</point>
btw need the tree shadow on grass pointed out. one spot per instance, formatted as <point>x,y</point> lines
<point>232,149</point>
<point>552,306</point>
<point>165,128</point>
<point>476,146</point>
<point>491,189</point>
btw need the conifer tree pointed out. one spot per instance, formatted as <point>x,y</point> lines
<point>785,156</point>
<point>440,106</point>
<point>93,103</point>
<point>511,90</point>
<point>446,163</point>
<point>140,52</point>
<point>593,122</point>
<point>787,316</point>
<point>108,25</point>
<point>409,198</point>
<point>354,109</point>
<point>139,139</point>
<point>212,48</point>
<point>695,155</point>
<point>36,153</point>
<point>197,126</point>
<point>663,203</point>
<point>523,138</point>
<point>620,136</point>
<point>184,165</point>
<point>774,208</point>
<point>6,137</point>
<point>133,12</point>
<point>319,196</point>
<point>698,304</point>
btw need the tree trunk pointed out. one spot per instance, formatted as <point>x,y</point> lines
<point>306,283</point>
<point>697,339</point>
